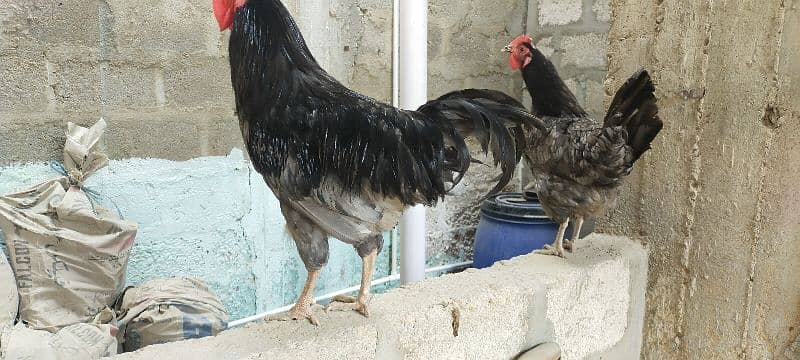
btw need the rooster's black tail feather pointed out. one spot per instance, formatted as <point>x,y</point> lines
<point>492,117</point>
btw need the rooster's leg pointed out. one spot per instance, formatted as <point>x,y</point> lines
<point>312,245</point>
<point>302,308</point>
<point>557,248</point>
<point>368,253</point>
<point>359,303</point>
<point>576,234</point>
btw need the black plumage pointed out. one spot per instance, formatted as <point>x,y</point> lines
<point>343,164</point>
<point>552,96</point>
<point>577,163</point>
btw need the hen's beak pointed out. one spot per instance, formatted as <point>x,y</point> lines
<point>507,49</point>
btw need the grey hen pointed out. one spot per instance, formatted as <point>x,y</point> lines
<point>577,162</point>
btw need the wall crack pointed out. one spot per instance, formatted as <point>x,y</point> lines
<point>695,184</point>
<point>772,120</point>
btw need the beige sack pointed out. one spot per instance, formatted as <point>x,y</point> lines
<point>69,255</point>
<point>74,342</point>
<point>168,310</point>
<point>9,297</point>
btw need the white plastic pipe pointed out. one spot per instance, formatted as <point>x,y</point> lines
<point>396,53</point>
<point>413,92</point>
<point>351,289</point>
<point>394,236</point>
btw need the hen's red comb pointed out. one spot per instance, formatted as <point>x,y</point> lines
<point>522,39</point>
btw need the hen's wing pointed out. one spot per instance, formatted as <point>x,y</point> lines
<point>581,150</point>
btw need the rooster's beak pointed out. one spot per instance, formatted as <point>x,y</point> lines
<point>507,49</point>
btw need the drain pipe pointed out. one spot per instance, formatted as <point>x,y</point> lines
<point>413,92</point>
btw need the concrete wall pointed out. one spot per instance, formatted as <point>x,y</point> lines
<point>592,305</point>
<point>716,200</point>
<point>149,67</point>
<point>157,71</point>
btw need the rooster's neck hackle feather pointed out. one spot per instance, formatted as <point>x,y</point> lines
<point>271,31</point>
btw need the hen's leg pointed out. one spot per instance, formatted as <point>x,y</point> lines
<point>557,248</point>
<point>576,234</point>
<point>369,252</point>
<point>312,244</point>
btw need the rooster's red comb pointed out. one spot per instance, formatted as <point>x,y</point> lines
<point>225,10</point>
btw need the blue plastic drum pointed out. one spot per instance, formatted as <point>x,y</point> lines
<point>512,225</point>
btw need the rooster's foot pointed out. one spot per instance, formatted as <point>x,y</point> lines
<point>348,303</point>
<point>296,313</point>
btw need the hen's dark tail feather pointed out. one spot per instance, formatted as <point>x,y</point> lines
<point>492,117</point>
<point>634,108</point>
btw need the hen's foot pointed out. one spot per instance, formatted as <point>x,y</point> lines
<point>296,313</point>
<point>576,234</point>
<point>568,245</point>
<point>348,303</point>
<point>551,250</point>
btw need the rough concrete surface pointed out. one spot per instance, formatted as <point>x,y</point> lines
<point>584,51</point>
<point>602,10</point>
<point>494,313</point>
<point>560,12</point>
<point>716,200</point>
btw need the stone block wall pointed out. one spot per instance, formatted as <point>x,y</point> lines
<point>154,69</point>
<point>591,305</point>
<point>716,199</point>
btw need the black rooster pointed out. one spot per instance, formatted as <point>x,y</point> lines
<point>340,163</point>
<point>577,162</point>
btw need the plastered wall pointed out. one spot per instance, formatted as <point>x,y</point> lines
<point>717,199</point>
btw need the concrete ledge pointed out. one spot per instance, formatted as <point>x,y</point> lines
<point>592,304</point>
